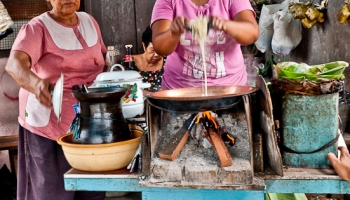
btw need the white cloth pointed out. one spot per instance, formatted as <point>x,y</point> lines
<point>5,19</point>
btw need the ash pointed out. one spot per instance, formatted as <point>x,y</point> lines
<point>198,165</point>
<point>231,121</point>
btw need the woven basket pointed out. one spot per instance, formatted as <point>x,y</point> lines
<point>307,87</point>
<point>5,19</point>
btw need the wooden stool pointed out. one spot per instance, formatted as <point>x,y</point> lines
<point>10,143</point>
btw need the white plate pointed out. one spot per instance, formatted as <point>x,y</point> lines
<point>133,110</point>
<point>57,98</point>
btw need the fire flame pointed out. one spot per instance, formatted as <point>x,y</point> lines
<point>207,115</point>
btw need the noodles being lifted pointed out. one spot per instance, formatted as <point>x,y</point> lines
<point>199,29</point>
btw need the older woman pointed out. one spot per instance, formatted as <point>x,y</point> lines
<point>149,64</point>
<point>61,40</point>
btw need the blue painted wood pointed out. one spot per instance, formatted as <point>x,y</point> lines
<point>201,194</point>
<point>308,186</point>
<point>102,184</point>
<point>308,123</point>
<point>149,193</point>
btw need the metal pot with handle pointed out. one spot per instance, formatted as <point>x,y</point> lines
<point>133,102</point>
<point>189,100</point>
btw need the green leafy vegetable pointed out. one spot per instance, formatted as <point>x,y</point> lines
<point>301,71</point>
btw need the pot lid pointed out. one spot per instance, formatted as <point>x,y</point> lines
<point>117,76</point>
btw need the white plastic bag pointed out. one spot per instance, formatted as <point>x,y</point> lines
<point>266,26</point>
<point>5,20</point>
<point>278,29</point>
<point>287,32</point>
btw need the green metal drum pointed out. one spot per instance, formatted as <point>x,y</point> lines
<point>309,123</point>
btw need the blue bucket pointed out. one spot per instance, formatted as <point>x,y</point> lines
<point>308,124</point>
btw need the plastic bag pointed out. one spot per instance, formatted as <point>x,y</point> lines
<point>5,20</point>
<point>278,29</point>
<point>266,26</point>
<point>287,32</point>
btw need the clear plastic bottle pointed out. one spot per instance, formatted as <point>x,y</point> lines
<point>111,57</point>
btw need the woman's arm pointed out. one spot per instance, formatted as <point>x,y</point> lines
<point>243,28</point>
<point>166,35</point>
<point>18,66</point>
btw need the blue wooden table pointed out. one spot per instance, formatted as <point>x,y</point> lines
<point>295,180</point>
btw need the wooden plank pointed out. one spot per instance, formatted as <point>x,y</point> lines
<point>117,21</point>
<point>346,137</point>
<point>248,113</point>
<point>87,6</point>
<point>174,146</point>
<point>121,21</point>
<point>145,155</point>
<point>268,127</point>
<point>258,153</point>
<point>13,155</point>
<point>302,173</point>
<point>220,148</point>
<point>122,173</point>
<point>143,13</point>
<point>257,184</point>
<point>153,124</point>
<point>9,142</point>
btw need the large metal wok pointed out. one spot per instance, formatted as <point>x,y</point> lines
<point>194,100</point>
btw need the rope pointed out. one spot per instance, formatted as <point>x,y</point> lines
<point>310,152</point>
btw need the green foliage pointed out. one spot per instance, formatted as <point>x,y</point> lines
<point>302,71</point>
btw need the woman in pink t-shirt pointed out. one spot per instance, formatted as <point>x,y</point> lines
<point>233,25</point>
<point>58,41</point>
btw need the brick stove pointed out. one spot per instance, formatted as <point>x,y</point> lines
<point>197,166</point>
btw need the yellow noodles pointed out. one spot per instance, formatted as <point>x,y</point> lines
<point>199,29</point>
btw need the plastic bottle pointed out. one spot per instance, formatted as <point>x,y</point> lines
<point>111,57</point>
<point>128,63</point>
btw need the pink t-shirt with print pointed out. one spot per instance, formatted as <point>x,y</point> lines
<point>54,48</point>
<point>223,57</point>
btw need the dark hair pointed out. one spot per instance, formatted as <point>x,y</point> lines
<point>147,36</point>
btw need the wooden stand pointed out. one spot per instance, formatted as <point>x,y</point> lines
<point>10,143</point>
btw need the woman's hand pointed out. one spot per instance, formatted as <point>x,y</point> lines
<point>218,24</point>
<point>43,92</point>
<point>166,34</point>
<point>342,165</point>
<point>177,27</point>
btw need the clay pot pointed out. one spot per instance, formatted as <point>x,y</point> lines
<point>101,117</point>
<point>100,157</point>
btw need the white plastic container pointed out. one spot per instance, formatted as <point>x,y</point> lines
<point>133,102</point>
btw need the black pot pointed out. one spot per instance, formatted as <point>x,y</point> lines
<point>101,117</point>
